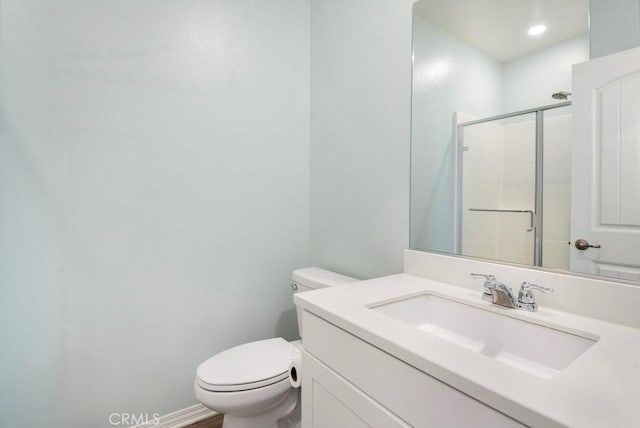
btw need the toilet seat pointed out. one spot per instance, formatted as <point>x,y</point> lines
<point>248,366</point>
<point>240,387</point>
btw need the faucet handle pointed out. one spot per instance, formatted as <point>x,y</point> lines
<point>489,283</point>
<point>527,286</point>
<point>526,299</point>
<point>482,275</point>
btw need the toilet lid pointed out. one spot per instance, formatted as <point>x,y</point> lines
<point>247,366</point>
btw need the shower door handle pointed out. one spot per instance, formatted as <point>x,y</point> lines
<point>583,244</point>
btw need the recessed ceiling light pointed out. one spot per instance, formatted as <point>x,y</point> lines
<point>536,30</point>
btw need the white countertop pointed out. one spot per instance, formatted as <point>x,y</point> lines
<point>601,388</point>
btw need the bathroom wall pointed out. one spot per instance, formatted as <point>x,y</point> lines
<point>449,75</point>
<point>154,173</point>
<point>360,134</point>
<point>614,26</point>
<point>530,80</point>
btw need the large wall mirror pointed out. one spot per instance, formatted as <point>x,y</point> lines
<point>491,156</point>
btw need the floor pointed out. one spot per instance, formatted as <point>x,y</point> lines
<point>212,422</point>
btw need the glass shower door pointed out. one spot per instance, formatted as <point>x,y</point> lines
<point>497,192</point>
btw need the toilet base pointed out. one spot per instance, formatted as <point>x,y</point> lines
<point>284,415</point>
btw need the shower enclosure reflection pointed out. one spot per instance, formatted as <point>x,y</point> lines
<point>512,186</point>
<point>496,183</point>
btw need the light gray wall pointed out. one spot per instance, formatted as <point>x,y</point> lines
<point>614,26</point>
<point>448,76</point>
<point>529,81</point>
<point>360,125</point>
<point>154,173</point>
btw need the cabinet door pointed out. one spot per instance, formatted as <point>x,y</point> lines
<point>329,401</point>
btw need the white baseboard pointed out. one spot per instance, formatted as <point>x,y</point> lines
<point>180,418</point>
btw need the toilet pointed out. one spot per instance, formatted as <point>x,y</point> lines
<point>249,383</point>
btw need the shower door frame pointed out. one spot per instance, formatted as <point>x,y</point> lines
<point>539,168</point>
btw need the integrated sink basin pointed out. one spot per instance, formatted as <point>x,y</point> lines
<point>536,349</point>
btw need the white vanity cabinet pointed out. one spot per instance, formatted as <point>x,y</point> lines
<point>349,383</point>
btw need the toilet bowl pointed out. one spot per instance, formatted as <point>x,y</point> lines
<point>249,383</point>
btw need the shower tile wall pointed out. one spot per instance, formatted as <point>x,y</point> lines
<point>515,241</point>
<point>482,188</point>
<point>499,172</point>
<point>557,192</point>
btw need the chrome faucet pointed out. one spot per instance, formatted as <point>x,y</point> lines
<point>499,294</point>
<point>496,292</point>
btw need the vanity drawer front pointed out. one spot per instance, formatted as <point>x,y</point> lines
<point>329,401</point>
<point>416,397</point>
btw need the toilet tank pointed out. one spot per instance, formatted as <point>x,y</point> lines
<point>313,278</point>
